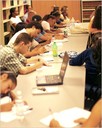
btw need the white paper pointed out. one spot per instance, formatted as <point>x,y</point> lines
<point>11,115</point>
<point>66,118</point>
<point>45,90</point>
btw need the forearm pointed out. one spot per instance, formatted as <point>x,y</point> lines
<point>13,96</point>
<point>28,69</point>
<point>6,107</point>
<point>31,53</point>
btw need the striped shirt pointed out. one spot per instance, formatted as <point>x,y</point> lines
<point>10,60</point>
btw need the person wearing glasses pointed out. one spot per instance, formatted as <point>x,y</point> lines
<point>12,58</point>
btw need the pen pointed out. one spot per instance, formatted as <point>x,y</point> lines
<point>43,89</point>
<point>29,109</point>
<point>50,110</point>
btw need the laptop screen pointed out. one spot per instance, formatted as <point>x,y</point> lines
<point>64,65</point>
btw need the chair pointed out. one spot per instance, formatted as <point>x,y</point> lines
<point>93,94</point>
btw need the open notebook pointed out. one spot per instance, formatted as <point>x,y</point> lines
<point>66,118</point>
<point>54,79</point>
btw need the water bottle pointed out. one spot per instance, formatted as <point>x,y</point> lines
<point>72,22</point>
<point>65,32</point>
<point>53,39</point>
<point>54,49</point>
<point>19,106</point>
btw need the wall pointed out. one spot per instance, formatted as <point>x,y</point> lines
<point>43,7</point>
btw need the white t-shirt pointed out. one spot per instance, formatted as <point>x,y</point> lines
<point>5,100</point>
<point>45,25</point>
<point>25,17</point>
<point>12,40</point>
<point>15,20</point>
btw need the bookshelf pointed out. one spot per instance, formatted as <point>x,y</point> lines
<point>87,7</point>
<point>5,6</point>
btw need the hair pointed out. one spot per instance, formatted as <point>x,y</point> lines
<point>36,24</point>
<point>48,16</point>
<point>98,18</point>
<point>64,8</point>
<point>12,10</point>
<point>10,76</point>
<point>37,18</point>
<point>23,37</point>
<point>97,50</point>
<point>55,9</point>
<point>56,14</point>
<point>20,26</point>
<point>63,11</point>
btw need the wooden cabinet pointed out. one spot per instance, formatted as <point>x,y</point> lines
<point>6,5</point>
<point>87,7</point>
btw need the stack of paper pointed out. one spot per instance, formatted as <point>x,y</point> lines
<point>66,118</point>
<point>45,90</point>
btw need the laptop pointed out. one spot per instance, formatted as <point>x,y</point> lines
<point>48,80</point>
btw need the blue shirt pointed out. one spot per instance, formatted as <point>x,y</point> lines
<point>91,67</point>
<point>38,38</point>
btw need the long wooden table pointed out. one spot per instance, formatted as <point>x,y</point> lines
<point>71,93</point>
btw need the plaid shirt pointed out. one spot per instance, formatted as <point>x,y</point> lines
<point>10,60</point>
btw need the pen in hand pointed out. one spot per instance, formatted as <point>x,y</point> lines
<point>50,110</point>
<point>54,123</point>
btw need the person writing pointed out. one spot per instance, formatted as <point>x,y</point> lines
<point>95,22</point>
<point>12,59</point>
<point>93,121</point>
<point>8,83</point>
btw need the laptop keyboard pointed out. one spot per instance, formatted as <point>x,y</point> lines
<point>53,79</point>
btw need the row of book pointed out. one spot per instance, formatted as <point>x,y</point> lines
<point>91,5</point>
<point>4,2</point>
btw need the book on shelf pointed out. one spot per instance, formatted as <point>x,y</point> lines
<point>7,38</point>
<point>24,1</point>
<point>3,3</point>
<point>17,2</point>
<point>91,4</point>
<point>11,2</point>
<point>5,27</point>
<point>4,15</point>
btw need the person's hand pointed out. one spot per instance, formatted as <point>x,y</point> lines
<point>41,50</point>
<point>80,120</point>
<point>54,124</point>
<point>48,41</point>
<point>44,62</point>
<point>58,31</point>
<point>7,107</point>
<point>59,36</point>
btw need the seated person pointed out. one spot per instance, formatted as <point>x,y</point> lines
<point>92,59</point>
<point>20,26</point>
<point>8,83</point>
<point>43,36</point>
<point>14,18</point>
<point>59,23</point>
<point>30,15</point>
<point>33,29</point>
<point>27,14</point>
<point>64,14</point>
<point>95,22</point>
<point>12,59</point>
<point>93,121</point>
<point>48,23</point>
<point>55,9</point>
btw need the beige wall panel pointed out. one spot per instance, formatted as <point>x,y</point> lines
<point>43,7</point>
